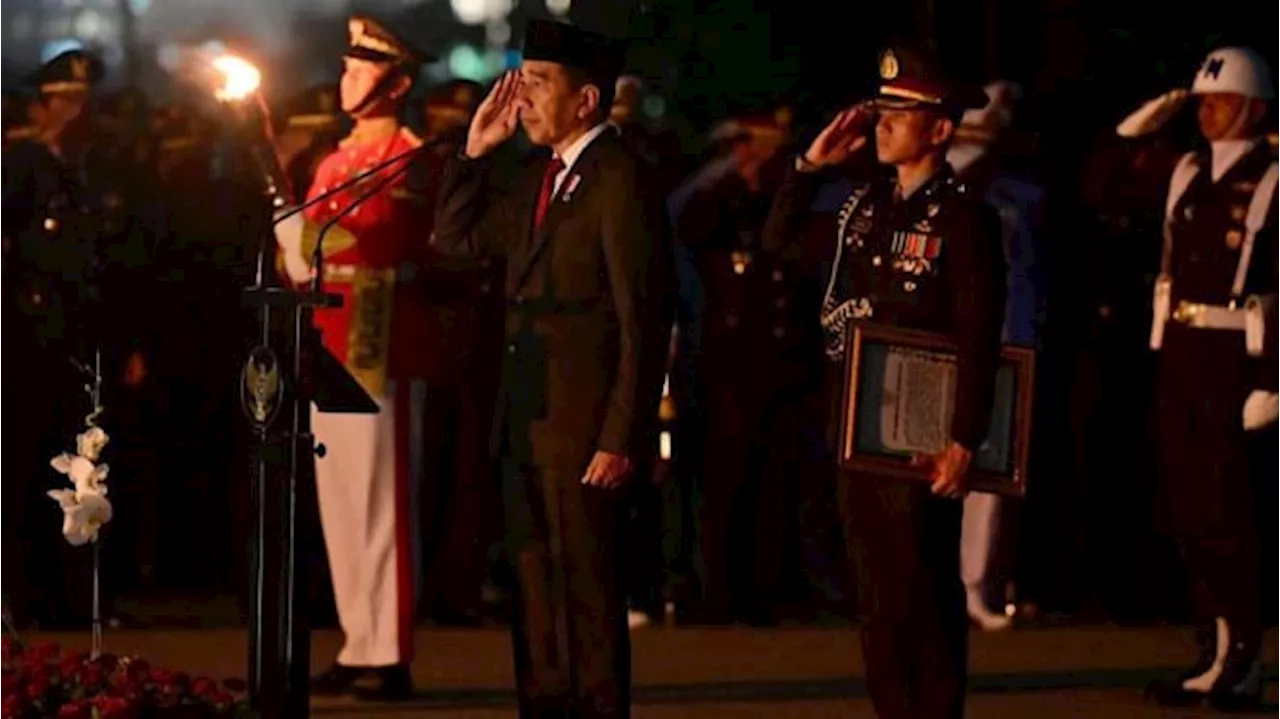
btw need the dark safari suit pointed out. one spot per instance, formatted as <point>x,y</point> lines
<point>588,314</point>
<point>930,262</point>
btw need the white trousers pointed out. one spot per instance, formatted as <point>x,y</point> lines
<point>366,483</point>
<point>979,539</point>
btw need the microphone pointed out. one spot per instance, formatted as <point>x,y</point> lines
<point>317,255</point>
<point>357,179</point>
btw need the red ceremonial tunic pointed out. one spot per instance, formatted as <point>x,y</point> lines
<point>371,258</point>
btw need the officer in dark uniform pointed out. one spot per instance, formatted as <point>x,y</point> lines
<point>19,115</point>
<point>447,110</point>
<point>748,439</point>
<point>1215,378</point>
<point>311,129</point>
<point>913,249</point>
<point>72,246</point>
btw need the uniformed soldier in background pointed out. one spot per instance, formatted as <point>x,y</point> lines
<point>743,512</point>
<point>978,158</point>
<point>447,110</point>
<point>1215,384</point>
<point>913,249</point>
<point>76,240</point>
<point>20,115</point>
<point>311,129</point>
<point>657,144</point>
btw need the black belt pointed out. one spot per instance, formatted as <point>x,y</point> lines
<point>550,305</point>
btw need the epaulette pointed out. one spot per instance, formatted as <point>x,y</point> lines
<point>411,137</point>
<point>176,144</point>
<point>25,132</point>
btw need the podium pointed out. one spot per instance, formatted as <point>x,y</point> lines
<point>285,373</point>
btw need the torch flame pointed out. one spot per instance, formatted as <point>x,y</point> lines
<point>240,78</point>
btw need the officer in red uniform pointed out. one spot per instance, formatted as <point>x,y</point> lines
<point>367,479</point>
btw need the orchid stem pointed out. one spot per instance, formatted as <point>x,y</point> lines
<point>96,649</point>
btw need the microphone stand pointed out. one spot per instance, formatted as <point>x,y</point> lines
<point>357,179</point>
<point>283,375</point>
<point>284,485</point>
<point>278,202</point>
<point>317,255</point>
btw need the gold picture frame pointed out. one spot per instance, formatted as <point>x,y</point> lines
<point>894,381</point>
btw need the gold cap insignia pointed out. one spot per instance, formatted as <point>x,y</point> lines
<point>362,37</point>
<point>888,65</point>
<point>79,68</point>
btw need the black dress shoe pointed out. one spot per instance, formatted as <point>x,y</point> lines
<point>337,680</point>
<point>1236,703</point>
<point>387,684</point>
<point>1168,693</point>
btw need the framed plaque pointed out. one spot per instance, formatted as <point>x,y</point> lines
<point>899,393</point>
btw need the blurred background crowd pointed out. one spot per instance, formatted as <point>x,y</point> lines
<point>738,524</point>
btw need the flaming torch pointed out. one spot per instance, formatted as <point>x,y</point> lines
<point>240,78</point>
<point>236,82</point>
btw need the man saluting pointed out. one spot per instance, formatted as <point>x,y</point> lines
<point>588,307</point>
<point>913,249</point>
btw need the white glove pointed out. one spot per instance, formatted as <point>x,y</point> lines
<point>289,238</point>
<point>1261,409</point>
<point>1153,114</point>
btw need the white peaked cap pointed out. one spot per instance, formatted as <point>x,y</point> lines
<point>998,112</point>
<point>1237,70</point>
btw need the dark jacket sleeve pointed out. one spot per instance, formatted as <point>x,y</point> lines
<point>637,256</point>
<point>470,213</point>
<point>791,206</point>
<point>977,282</point>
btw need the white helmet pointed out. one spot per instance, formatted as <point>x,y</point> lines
<point>1236,70</point>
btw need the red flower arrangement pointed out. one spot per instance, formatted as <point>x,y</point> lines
<point>40,682</point>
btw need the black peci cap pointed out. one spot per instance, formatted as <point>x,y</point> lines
<point>600,57</point>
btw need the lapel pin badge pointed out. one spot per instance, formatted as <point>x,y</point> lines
<point>571,186</point>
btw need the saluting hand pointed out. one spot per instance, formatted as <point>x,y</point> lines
<point>496,117</point>
<point>843,136</point>
<point>948,469</point>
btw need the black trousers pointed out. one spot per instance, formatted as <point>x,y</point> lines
<point>572,649</point>
<point>645,575</point>
<point>1223,567</point>
<point>905,544</point>
<point>1208,479</point>
<point>458,497</point>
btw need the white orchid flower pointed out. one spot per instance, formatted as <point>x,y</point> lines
<point>89,443</point>
<point>83,514</point>
<point>85,508</point>
<point>86,476</point>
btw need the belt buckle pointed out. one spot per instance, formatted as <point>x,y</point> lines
<point>1187,312</point>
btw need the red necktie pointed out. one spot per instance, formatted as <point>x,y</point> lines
<point>554,166</point>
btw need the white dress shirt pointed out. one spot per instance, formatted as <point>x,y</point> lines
<point>574,151</point>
